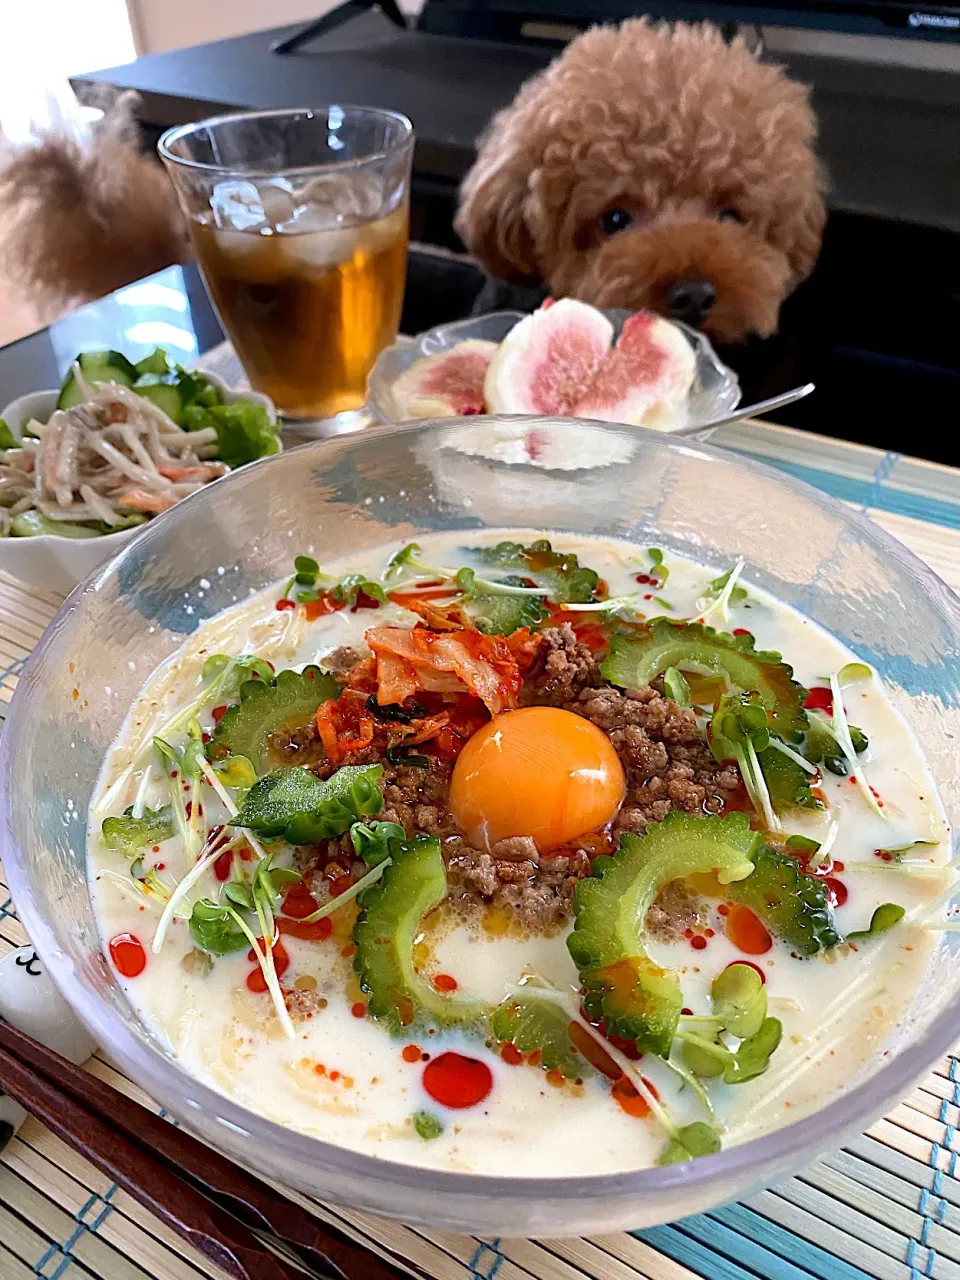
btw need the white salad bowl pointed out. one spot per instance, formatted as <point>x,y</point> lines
<point>56,564</point>
<point>715,390</point>
<point>353,494</point>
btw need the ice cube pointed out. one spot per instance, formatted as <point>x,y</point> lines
<point>318,249</point>
<point>345,197</point>
<point>277,201</point>
<point>237,206</point>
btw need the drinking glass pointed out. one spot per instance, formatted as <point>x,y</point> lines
<point>299,220</point>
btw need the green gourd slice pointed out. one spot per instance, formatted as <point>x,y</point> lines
<point>641,654</point>
<point>636,998</point>
<point>290,700</point>
<point>390,914</point>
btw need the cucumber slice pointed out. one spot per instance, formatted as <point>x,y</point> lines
<point>635,997</point>
<point>164,394</point>
<point>156,362</point>
<point>31,524</point>
<point>389,921</point>
<point>97,366</point>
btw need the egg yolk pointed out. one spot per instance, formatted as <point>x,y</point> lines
<point>538,772</point>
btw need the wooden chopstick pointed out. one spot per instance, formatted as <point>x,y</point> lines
<point>203,1196</point>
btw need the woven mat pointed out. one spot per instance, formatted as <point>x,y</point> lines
<point>888,1206</point>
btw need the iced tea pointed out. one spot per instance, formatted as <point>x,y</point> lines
<point>308,311</point>
<point>299,219</point>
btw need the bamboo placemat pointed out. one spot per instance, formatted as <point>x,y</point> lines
<point>886,1207</point>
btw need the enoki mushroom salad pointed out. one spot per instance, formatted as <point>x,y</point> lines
<point>125,442</point>
<point>519,854</point>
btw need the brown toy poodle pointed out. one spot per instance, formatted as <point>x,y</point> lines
<point>653,166</point>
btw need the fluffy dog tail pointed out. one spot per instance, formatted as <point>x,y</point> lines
<point>82,215</point>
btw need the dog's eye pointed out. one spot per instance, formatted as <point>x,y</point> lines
<point>729,215</point>
<point>615,220</point>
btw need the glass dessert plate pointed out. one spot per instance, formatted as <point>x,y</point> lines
<point>360,491</point>
<point>715,390</point>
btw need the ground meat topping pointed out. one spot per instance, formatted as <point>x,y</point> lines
<point>540,893</point>
<point>339,661</point>
<point>676,909</point>
<point>664,755</point>
<point>567,667</point>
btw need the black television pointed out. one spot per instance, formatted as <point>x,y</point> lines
<point>512,19</point>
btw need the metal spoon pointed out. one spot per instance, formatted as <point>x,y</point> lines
<point>748,411</point>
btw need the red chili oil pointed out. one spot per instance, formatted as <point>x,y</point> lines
<point>747,933</point>
<point>128,955</point>
<point>455,1081</point>
<point>286,604</point>
<point>256,981</point>
<point>308,930</point>
<point>820,698</point>
<point>444,983</point>
<point>698,942</point>
<point>740,631</point>
<point>629,1100</point>
<point>836,890</point>
<point>755,967</point>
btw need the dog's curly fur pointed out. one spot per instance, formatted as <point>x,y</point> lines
<point>709,151</point>
<point>83,215</point>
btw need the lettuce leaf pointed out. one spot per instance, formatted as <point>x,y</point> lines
<point>244,430</point>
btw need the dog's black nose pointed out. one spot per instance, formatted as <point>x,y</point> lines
<point>690,301</point>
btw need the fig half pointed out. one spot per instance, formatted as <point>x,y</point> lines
<point>644,380</point>
<point>446,385</point>
<point>546,363</point>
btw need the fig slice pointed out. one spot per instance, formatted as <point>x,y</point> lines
<point>546,363</point>
<point>644,380</point>
<point>446,385</point>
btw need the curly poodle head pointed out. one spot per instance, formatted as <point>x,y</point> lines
<point>653,166</point>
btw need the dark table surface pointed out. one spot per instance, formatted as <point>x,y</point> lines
<point>888,134</point>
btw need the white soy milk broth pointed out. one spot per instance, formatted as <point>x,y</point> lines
<point>343,1078</point>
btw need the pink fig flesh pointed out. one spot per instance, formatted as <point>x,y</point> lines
<point>644,379</point>
<point>446,385</point>
<point>546,362</point>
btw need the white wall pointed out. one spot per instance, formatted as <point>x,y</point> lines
<point>44,42</point>
<point>173,24</point>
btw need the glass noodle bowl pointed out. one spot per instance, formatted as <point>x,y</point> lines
<point>299,221</point>
<point>351,495</point>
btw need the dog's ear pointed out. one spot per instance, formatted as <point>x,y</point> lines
<point>491,219</point>
<point>803,236</point>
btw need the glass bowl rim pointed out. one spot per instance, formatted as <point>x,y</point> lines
<point>174,134</point>
<point>145,1062</point>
